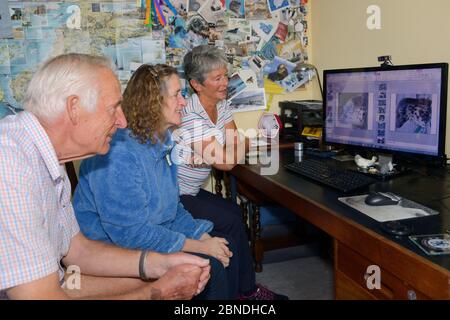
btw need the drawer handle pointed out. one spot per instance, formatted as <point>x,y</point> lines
<point>411,295</point>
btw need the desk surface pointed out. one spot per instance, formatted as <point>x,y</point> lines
<point>319,205</point>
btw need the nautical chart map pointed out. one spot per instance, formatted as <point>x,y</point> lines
<point>42,29</point>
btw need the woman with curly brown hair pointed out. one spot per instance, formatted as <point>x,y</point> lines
<point>129,197</point>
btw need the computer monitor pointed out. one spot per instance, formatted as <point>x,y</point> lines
<point>395,109</point>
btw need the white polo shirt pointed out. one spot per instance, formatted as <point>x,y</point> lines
<point>196,126</point>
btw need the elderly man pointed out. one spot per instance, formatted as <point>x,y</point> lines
<point>73,108</point>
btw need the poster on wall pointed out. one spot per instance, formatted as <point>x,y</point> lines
<point>248,100</point>
<point>5,21</point>
<point>252,33</point>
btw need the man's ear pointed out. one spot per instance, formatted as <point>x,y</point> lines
<point>73,109</point>
<point>196,85</point>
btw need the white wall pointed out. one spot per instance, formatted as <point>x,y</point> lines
<point>412,31</point>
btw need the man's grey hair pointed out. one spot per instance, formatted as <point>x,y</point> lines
<point>61,77</point>
<point>202,60</point>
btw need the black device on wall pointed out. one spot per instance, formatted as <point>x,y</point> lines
<point>297,114</point>
<point>398,110</point>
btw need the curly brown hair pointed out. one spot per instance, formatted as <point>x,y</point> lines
<point>143,100</point>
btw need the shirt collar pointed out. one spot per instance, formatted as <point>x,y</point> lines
<point>198,107</point>
<point>200,110</point>
<point>42,143</point>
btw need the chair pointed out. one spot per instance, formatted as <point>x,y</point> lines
<point>269,226</point>
<point>72,174</point>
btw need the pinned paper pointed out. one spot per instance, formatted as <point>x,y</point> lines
<point>239,30</point>
<point>276,5</point>
<point>249,78</point>
<point>264,28</point>
<point>282,31</point>
<point>256,10</point>
<point>271,89</point>
<point>290,50</point>
<point>236,8</point>
<point>235,85</point>
<point>212,11</point>
<point>248,100</point>
<point>256,64</point>
<point>5,21</point>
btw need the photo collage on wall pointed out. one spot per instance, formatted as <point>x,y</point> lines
<point>264,40</point>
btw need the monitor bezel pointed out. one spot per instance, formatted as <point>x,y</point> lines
<point>443,109</point>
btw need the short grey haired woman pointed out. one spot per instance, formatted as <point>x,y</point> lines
<point>203,59</point>
<point>208,127</point>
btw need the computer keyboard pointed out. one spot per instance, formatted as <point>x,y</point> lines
<point>332,176</point>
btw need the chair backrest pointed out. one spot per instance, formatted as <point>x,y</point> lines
<point>71,172</point>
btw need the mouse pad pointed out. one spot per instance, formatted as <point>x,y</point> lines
<point>405,209</point>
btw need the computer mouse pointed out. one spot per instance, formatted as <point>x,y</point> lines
<point>380,199</point>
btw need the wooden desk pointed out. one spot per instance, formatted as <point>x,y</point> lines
<point>406,272</point>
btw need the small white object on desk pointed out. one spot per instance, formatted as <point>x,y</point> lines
<point>364,163</point>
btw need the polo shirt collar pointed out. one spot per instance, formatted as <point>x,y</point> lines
<point>198,107</point>
<point>200,110</point>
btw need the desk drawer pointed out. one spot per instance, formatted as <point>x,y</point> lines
<point>351,272</point>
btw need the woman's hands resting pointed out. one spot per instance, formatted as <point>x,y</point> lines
<point>217,247</point>
<point>213,246</point>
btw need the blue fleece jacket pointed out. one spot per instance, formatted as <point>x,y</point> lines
<point>129,197</point>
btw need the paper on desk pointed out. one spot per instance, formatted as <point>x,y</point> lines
<point>405,209</point>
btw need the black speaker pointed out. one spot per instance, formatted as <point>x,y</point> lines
<point>297,114</point>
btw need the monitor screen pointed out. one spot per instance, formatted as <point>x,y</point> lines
<point>395,109</point>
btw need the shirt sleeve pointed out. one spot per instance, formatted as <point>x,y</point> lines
<point>193,228</point>
<point>25,246</point>
<point>122,204</point>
